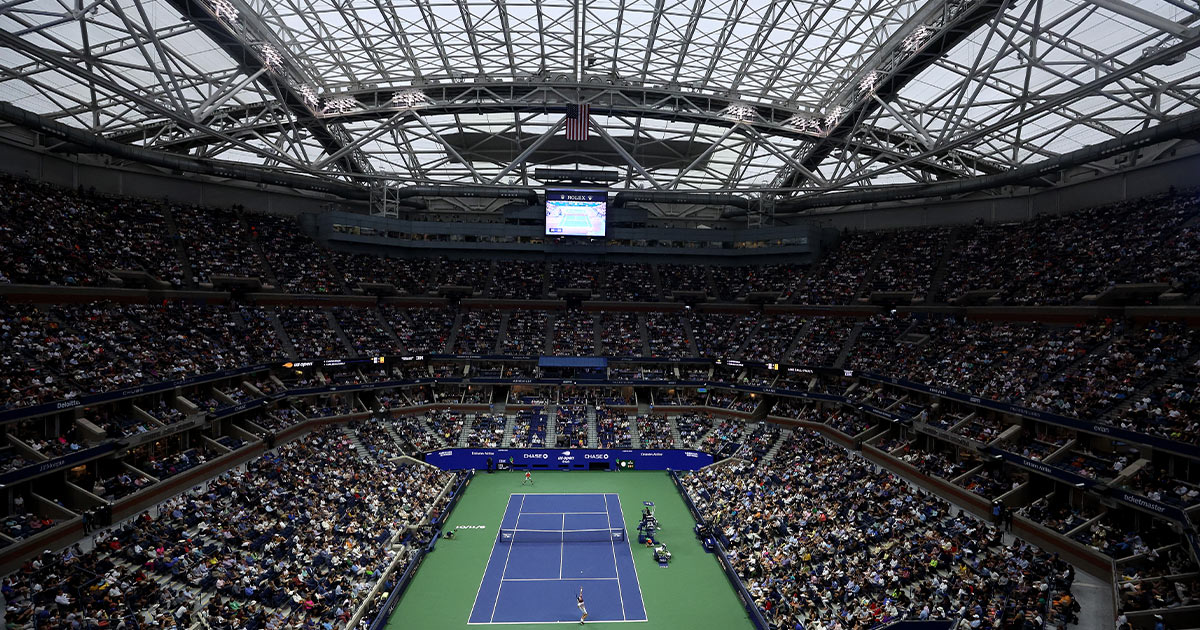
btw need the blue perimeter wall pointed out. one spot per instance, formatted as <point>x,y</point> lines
<point>567,459</point>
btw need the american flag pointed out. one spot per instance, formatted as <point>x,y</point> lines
<point>577,122</point>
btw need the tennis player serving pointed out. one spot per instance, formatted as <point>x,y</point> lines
<point>582,608</point>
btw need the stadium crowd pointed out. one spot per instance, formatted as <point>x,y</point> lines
<point>1139,241</point>
<point>621,334</point>
<point>574,334</point>
<point>295,540</point>
<point>667,336</point>
<point>227,553</point>
<point>820,536</point>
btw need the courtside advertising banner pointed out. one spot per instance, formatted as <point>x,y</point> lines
<point>567,459</point>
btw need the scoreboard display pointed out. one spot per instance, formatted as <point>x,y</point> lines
<point>576,212</point>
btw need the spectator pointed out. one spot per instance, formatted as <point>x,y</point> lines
<point>786,530</point>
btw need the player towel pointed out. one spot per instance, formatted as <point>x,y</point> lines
<point>577,122</point>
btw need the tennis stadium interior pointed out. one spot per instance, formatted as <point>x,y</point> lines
<point>761,314</point>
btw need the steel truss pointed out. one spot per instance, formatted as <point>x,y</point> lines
<point>728,95</point>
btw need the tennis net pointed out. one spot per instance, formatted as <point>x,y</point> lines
<point>561,535</point>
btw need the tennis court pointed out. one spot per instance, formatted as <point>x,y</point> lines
<point>548,547</point>
<point>566,217</point>
<point>576,220</point>
<point>692,593</point>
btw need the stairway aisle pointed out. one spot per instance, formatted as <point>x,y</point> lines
<point>386,326</point>
<point>656,278</point>
<point>491,279</point>
<point>510,422</point>
<point>390,429</point>
<point>676,439</point>
<point>185,265</point>
<point>598,348</point>
<point>285,339</point>
<point>801,335</point>
<point>267,271</point>
<point>548,344</point>
<point>864,289</point>
<point>851,339</point>
<point>686,325</point>
<point>551,424</point>
<point>428,429</point>
<point>737,352</point>
<point>704,436</point>
<point>453,336</point>
<point>774,450</point>
<point>942,269</point>
<point>502,331</point>
<point>362,451</point>
<point>643,334</point>
<point>336,327</point>
<point>593,438</point>
<point>468,422</point>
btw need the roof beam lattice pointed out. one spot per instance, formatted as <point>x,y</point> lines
<point>936,28</point>
<point>238,32</point>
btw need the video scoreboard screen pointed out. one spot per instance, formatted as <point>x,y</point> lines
<point>572,212</point>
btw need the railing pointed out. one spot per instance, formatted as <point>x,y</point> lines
<point>128,392</point>
<point>389,606</point>
<point>1080,424</point>
<point>1115,583</point>
<point>455,496</point>
<point>748,602</point>
<point>1089,426</point>
<point>1126,497</point>
<point>1121,495</point>
<point>1132,500</point>
<point>909,624</point>
<point>57,463</point>
<point>412,558</point>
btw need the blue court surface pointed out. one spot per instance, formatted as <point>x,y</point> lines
<point>548,547</point>
<point>576,220</point>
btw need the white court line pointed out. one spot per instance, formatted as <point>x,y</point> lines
<point>544,623</point>
<point>504,579</point>
<point>505,569</point>
<point>551,494</point>
<point>552,531</point>
<point>629,546</point>
<point>562,543</point>
<point>564,512</point>
<point>488,566</point>
<point>613,544</point>
<point>553,579</point>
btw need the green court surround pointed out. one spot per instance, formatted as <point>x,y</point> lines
<point>692,593</point>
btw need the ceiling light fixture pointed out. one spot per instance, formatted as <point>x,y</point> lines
<point>833,116</point>
<point>409,98</point>
<point>341,105</point>
<point>868,82</point>
<point>271,57</point>
<point>806,124</point>
<point>740,112</point>
<point>309,96</point>
<point>916,39</point>
<point>224,9</point>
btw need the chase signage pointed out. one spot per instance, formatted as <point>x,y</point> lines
<point>644,459</point>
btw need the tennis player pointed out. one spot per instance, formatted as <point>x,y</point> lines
<point>582,608</point>
<point>528,478</point>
